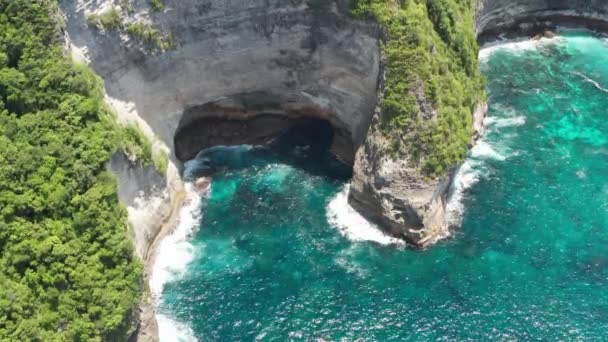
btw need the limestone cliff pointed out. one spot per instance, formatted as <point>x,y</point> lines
<point>236,72</point>
<point>234,60</point>
<point>497,17</point>
<point>391,192</point>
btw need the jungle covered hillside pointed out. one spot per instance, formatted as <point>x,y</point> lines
<point>67,270</point>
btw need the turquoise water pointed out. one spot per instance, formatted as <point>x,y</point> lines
<point>529,262</point>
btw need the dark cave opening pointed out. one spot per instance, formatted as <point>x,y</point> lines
<point>206,126</point>
<point>306,143</point>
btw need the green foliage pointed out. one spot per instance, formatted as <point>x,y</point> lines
<point>126,6</point>
<point>108,20</point>
<point>150,36</point>
<point>136,144</point>
<point>432,77</point>
<point>157,5</point>
<point>360,8</point>
<point>67,271</point>
<point>161,161</point>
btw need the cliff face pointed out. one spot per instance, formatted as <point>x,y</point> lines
<point>388,190</point>
<point>234,60</point>
<point>496,17</point>
<point>239,72</point>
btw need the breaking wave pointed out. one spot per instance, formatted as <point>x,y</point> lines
<point>514,46</point>
<point>170,330</point>
<point>174,254</point>
<point>352,225</point>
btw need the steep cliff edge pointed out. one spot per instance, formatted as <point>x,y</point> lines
<point>424,122</point>
<point>230,60</point>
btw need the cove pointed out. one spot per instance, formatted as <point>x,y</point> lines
<point>272,251</point>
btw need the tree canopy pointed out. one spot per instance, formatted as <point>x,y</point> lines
<point>67,270</point>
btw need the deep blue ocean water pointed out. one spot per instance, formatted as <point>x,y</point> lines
<point>530,260</point>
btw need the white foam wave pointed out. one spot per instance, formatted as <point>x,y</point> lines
<point>175,251</point>
<point>592,81</point>
<point>472,170</point>
<point>347,260</point>
<point>469,173</point>
<point>170,330</point>
<point>174,254</point>
<point>483,150</point>
<point>352,225</point>
<point>515,46</point>
<point>505,122</point>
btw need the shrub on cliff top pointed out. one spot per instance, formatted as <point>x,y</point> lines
<point>108,20</point>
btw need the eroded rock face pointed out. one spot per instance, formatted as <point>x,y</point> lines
<point>497,17</point>
<point>303,58</point>
<point>390,192</point>
<point>254,118</point>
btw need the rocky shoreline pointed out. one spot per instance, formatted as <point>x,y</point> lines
<point>147,326</point>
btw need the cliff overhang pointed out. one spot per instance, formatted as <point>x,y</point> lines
<point>523,18</point>
<point>255,118</point>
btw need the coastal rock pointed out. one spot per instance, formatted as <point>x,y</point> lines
<point>497,18</point>
<point>396,196</point>
<point>148,196</point>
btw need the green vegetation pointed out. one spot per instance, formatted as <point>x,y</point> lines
<point>112,20</point>
<point>67,270</point>
<point>126,6</point>
<point>150,36</point>
<point>108,20</point>
<point>157,5</point>
<point>136,144</point>
<point>432,78</point>
<point>161,162</point>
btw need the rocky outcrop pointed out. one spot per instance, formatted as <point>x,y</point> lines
<point>395,195</point>
<point>524,17</point>
<point>387,190</point>
<point>148,196</point>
